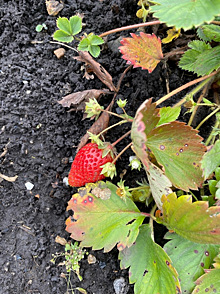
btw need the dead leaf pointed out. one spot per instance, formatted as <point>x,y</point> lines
<point>99,125</point>
<point>77,100</point>
<point>9,179</point>
<point>60,240</point>
<point>97,68</point>
<point>54,7</point>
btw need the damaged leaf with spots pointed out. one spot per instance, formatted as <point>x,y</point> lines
<point>190,259</point>
<point>195,221</point>
<point>142,51</point>
<point>154,272</point>
<point>209,282</point>
<point>103,223</point>
<point>171,145</point>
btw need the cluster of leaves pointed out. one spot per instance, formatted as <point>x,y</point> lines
<point>73,255</point>
<point>172,154</point>
<point>68,28</point>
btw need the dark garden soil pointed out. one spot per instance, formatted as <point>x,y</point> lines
<point>38,139</point>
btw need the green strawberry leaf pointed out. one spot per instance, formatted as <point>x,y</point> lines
<point>185,14</point>
<point>95,40</point>
<point>201,60</point>
<point>168,114</point>
<point>94,50</point>
<point>190,259</point>
<point>84,45</point>
<point>195,221</point>
<point>209,282</point>
<point>103,223</point>
<point>64,25</point>
<point>211,160</point>
<point>75,24</point>
<point>211,32</point>
<point>150,266</point>
<point>142,51</point>
<point>62,36</point>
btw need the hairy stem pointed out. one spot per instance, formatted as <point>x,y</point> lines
<point>119,154</point>
<point>115,114</point>
<point>135,26</point>
<point>191,83</point>
<point>112,126</point>
<point>62,44</point>
<point>204,91</point>
<point>211,136</point>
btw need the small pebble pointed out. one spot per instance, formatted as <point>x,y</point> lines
<point>65,181</point>
<point>120,286</point>
<point>29,186</point>
<point>91,259</point>
<point>59,52</point>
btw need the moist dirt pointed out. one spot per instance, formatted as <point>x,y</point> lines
<point>38,140</point>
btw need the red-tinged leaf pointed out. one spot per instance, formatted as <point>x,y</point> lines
<point>195,221</point>
<point>150,267</point>
<point>175,146</point>
<point>146,119</point>
<point>103,223</point>
<point>142,51</point>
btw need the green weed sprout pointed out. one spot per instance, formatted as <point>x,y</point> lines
<point>68,28</point>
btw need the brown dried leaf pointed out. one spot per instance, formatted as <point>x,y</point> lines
<point>97,68</point>
<point>60,240</point>
<point>9,179</point>
<point>54,7</point>
<point>99,125</point>
<point>77,100</point>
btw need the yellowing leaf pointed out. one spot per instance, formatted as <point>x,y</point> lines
<point>195,221</point>
<point>150,267</point>
<point>171,34</point>
<point>103,223</point>
<point>142,51</point>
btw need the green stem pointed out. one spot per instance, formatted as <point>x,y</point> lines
<point>115,114</point>
<point>59,43</point>
<point>207,117</point>
<point>135,26</point>
<point>128,146</point>
<point>191,83</point>
<point>151,222</point>
<point>204,91</point>
<point>217,125</point>
<point>112,126</point>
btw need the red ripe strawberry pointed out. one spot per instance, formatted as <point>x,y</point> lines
<point>86,165</point>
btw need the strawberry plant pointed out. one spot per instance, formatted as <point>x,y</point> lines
<point>174,156</point>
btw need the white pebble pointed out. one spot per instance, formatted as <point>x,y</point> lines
<point>29,186</point>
